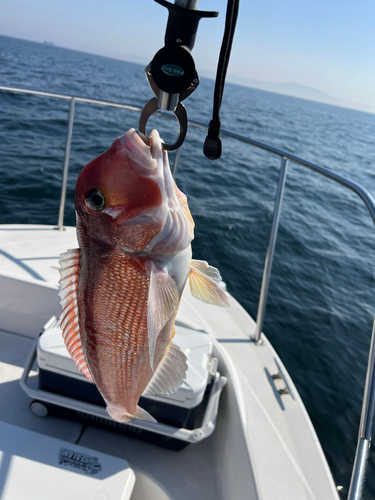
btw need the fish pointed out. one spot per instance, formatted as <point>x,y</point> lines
<point>121,289</point>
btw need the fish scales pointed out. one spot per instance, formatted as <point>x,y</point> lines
<point>116,357</point>
<point>120,291</point>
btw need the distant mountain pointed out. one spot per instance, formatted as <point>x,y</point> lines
<point>287,88</point>
<point>298,90</point>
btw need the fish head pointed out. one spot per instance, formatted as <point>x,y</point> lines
<point>127,197</point>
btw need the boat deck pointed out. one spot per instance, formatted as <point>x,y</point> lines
<point>264,446</point>
<point>164,465</point>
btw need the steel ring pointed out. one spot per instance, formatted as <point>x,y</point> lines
<point>180,114</point>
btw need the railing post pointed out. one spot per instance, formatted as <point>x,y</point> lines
<point>60,224</point>
<point>270,252</point>
<point>364,437</point>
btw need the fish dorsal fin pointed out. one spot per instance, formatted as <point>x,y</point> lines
<point>169,374</point>
<point>69,309</point>
<point>204,284</point>
<point>162,303</point>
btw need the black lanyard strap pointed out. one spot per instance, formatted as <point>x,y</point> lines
<point>212,144</point>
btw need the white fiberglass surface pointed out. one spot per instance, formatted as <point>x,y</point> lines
<point>258,431</point>
<point>33,251</point>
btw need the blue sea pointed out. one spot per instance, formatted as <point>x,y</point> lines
<point>321,298</point>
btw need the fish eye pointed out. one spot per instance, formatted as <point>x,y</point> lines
<point>95,200</point>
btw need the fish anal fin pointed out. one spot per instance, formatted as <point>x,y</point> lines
<point>169,374</point>
<point>69,315</point>
<point>163,301</point>
<point>204,285</point>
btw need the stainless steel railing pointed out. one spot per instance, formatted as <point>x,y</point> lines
<point>72,100</point>
<point>364,438</point>
<point>60,223</point>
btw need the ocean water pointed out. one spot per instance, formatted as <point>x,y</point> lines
<point>321,301</point>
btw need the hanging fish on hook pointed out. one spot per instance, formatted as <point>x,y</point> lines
<point>121,289</point>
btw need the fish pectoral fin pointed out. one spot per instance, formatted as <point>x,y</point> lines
<point>204,284</point>
<point>162,303</point>
<point>69,310</point>
<point>205,268</point>
<point>143,415</point>
<point>169,374</point>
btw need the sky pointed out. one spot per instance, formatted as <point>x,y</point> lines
<point>328,45</point>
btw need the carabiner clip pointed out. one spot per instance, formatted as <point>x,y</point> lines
<point>180,114</point>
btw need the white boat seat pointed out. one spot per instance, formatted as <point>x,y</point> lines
<point>39,467</point>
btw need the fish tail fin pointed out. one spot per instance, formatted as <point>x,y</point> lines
<point>121,415</point>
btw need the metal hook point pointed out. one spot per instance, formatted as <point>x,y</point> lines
<point>180,114</point>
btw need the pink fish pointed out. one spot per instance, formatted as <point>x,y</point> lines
<point>121,289</point>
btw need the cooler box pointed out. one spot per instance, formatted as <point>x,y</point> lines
<point>186,408</point>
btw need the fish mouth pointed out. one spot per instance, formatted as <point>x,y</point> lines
<point>149,162</point>
<point>140,188</point>
<point>139,153</point>
<point>168,218</point>
<point>161,156</point>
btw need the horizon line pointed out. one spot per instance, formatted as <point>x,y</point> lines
<point>229,77</point>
